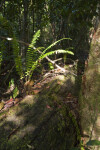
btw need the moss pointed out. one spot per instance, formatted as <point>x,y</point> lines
<point>39,124</point>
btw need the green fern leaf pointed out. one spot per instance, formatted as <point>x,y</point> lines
<point>35,38</point>
<point>31,52</point>
<point>30,63</point>
<point>56,52</point>
<point>45,55</point>
<point>54,44</point>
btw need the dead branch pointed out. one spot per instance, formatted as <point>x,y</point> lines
<point>57,59</point>
<point>10,39</point>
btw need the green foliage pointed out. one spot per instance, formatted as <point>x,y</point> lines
<point>15,92</point>
<point>35,38</point>
<point>52,45</point>
<point>93,143</point>
<point>31,52</point>
<point>3,22</point>
<point>17,57</point>
<point>68,114</point>
<point>14,88</point>
<point>11,83</point>
<point>2,49</point>
<point>59,51</point>
<point>31,66</point>
<point>5,25</point>
<point>76,126</point>
<point>51,66</point>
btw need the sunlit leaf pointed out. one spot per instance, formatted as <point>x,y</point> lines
<point>55,44</point>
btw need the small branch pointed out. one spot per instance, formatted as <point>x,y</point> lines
<point>57,59</point>
<point>53,62</point>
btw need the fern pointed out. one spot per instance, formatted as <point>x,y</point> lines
<point>6,25</point>
<point>42,56</point>
<point>57,52</point>
<point>35,38</point>
<point>54,45</point>
<point>32,59</point>
<point>31,52</point>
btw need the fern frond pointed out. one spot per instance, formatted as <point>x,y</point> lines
<point>30,63</point>
<point>31,52</point>
<point>34,65</point>
<point>39,48</point>
<point>59,51</point>
<point>35,38</point>
<point>54,44</point>
<point>45,55</point>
